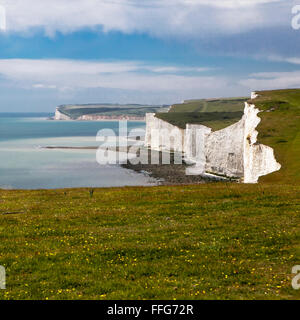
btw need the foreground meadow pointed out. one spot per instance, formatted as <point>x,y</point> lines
<point>213,241</point>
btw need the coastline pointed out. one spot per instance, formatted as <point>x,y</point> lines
<point>164,174</point>
<point>98,118</point>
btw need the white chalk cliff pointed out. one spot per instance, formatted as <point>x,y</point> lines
<point>161,135</point>
<point>232,152</point>
<point>60,116</point>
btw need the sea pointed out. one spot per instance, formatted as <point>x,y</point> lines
<point>26,163</point>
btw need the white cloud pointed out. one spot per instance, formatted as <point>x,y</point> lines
<point>156,17</point>
<point>293,60</point>
<point>276,58</point>
<point>74,74</point>
<point>170,69</point>
<point>43,86</point>
<point>272,80</point>
<point>72,81</point>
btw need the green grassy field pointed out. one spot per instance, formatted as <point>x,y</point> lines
<point>213,241</point>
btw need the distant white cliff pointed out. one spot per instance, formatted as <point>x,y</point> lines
<point>232,152</point>
<point>90,117</point>
<point>60,116</point>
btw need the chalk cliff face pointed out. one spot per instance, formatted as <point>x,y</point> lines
<point>232,152</point>
<point>60,116</point>
<point>161,135</point>
<point>194,148</point>
<point>259,160</point>
<point>224,151</point>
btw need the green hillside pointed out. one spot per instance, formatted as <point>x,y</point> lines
<point>75,111</point>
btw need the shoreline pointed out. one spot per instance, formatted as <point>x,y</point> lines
<point>163,174</point>
<point>166,174</point>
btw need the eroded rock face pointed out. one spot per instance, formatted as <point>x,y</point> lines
<point>224,151</point>
<point>161,135</point>
<point>259,160</point>
<point>194,147</point>
<point>232,152</point>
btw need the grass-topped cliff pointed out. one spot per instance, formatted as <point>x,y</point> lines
<point>136,110</point>
<point>280,129</point>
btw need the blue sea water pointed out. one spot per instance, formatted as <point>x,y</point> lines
<point>25,164</point>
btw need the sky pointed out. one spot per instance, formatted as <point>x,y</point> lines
<point>55,52</point>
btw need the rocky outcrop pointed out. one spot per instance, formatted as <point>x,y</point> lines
<point>232,152</point>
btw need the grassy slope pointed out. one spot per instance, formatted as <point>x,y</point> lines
<point>214,113</point>
<point>280,129</point>
<point>209,241</point>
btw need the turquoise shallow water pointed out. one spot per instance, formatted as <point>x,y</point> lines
<point>25,165</point>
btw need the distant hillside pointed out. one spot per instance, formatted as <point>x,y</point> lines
<point>75,112</point>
